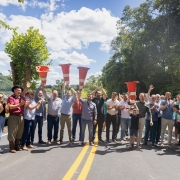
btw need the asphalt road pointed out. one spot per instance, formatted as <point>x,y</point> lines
<point>100,162</point>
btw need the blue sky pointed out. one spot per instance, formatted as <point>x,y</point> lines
<point>77,31</point>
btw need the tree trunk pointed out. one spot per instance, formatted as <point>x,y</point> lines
<point>14,74</point>
<point>28,72</point>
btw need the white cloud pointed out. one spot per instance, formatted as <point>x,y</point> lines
<point>74,58</point>
<point>68,32</point>
<point>13,2</point>
<point>4,58</point>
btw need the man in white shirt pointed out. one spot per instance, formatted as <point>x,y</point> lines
<point>112,112</point>
<point>125,118</point>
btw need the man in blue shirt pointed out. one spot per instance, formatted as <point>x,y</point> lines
<point>166,107</point>
<point>89,116</point>
<point>66,111</point>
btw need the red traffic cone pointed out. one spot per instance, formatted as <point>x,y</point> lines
<point>82,76</point>
<point>132,90</point>
<point>43,70</point>
<point>65,70</point>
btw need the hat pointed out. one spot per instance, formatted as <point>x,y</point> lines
<point>17,86</point>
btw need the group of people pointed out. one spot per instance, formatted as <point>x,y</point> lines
<point>26,109</point>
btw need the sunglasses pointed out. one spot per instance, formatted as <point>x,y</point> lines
<point>1,96</point>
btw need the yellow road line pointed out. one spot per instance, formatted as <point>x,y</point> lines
<point>76,164</point>
<point>89,161</point>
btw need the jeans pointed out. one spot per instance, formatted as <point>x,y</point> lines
<point>149,128</point>
<point>111,119</point>
<point>2,121</point>
<point>158,130</point>
<point>124,123</point>
<point>75,118</point>
<point>38,120</point>
<point>100,121</point>
<point>28,135</point>
<point>90,128</point>
<point>52,122</point>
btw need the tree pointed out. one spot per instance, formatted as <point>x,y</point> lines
<point>146,48</point>
<point>27,50</point>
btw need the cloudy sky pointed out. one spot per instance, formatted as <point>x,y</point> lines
<point>77,31</point>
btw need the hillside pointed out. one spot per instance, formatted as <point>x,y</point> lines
<point>5,84</point>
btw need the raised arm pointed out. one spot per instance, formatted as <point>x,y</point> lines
<point>151,87</point>
<point>45,93</point>
<point>103,92</point>
<point>36,98</point>
<point>94,92</point>
<point>37,105</point>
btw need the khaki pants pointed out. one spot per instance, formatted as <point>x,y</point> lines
<point>68,120</point>
<point>164,124</point>
<point>15,127</point>
<point>141,127</point>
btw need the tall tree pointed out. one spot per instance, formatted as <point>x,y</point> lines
<point>147,47</point>
<point>26,50</point>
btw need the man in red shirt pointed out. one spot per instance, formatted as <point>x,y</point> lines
<point>16,104</point>
<point>77,112</point>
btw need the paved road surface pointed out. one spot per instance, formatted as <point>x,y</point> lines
<point>100,162</point>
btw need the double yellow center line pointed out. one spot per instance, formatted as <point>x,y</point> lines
<point>78,161</point>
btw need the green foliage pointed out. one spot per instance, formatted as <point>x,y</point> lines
<point>5,84</point>
<point>146,48</point>
<point>27,50</point>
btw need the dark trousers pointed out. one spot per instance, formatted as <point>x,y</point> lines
<point>100,121</point>
<point>158,130</point>
<point>38,120</point>
<point>28,135</point>
<point>151,128</point>
<point>52,122</point>
<point>75,118</point>
<point>118,123</point>
<point>111,119</point>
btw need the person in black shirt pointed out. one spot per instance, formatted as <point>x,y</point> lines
<point>99,101</point>
<point>134,125</point>
<point>2,116</point>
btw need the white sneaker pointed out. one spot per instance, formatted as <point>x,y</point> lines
<point>80,143</point>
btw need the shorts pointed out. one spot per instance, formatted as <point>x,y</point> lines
<point>134,132</point>
<point>177,126</point>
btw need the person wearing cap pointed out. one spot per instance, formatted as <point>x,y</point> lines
<point>2,116</point>
<point>15,103</point>
<point>66,111</point>
<point>54,104</point>
<point>29,116</point>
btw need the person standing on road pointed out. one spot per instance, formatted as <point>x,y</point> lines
<point>167,118</point>
<point>66,111</point>
<point>125,117</point>
<point>143,109</point>
<point>29,116</point>
<point>152,125</point>
<point>15,103</point>
<point>99,101</point>
<point>40,114</point>
<point>112,115</point>
<point>89,116</point>
<point>77,113</point>
<point>2,116</point>
<point>54,104</point>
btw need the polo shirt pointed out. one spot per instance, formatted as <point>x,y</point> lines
<point>167,113</point>
<point>111,103</point>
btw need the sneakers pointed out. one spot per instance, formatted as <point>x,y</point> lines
<point>114,140</point>
<point>101,141</point>
<point>81,143</point>
<point>30,146</point>
<point>49,142</point>
<point>24,148</point>
<point>107,141</point>
<point>57,142</point>
<point>41,142</point>
<point>91,143</point>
